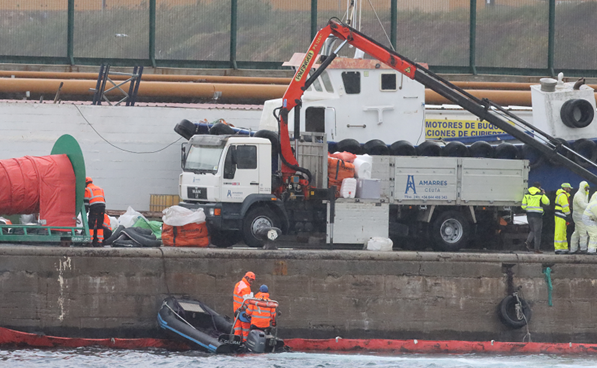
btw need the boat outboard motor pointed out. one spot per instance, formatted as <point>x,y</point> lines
<point>256,341</point>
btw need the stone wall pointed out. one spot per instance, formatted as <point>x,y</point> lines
<point>104,292</point>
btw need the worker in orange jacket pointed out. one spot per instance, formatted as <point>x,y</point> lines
<point>262,318</point>
<point>95,205</point>
<point>242,290</point>
<point>107,228</point>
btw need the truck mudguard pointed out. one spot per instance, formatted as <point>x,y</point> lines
<point>271,200</point>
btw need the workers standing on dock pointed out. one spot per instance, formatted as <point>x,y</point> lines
<point>531,203</point>
<point>95,204</point>
<point>242,290</point>
<point>589,218</point>
<point>562,217</point>
<point>262,318</point>
<point>580,236</point>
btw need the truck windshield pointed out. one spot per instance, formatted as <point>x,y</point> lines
<point>203,159</point>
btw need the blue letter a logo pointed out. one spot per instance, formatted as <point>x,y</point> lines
<point>410,183</point>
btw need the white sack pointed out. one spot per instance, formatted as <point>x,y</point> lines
<point>180,216</point>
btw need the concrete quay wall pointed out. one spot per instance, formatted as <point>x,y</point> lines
<point>88,292</point>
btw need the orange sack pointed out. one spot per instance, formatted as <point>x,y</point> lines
<point>189,235</point>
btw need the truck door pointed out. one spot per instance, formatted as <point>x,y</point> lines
<point>241,176</point>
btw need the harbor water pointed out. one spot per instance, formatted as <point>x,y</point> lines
<point>110,358</point>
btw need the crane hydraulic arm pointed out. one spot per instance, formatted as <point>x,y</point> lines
<point>482,108</point>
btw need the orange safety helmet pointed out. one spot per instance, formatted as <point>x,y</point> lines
<point>88,180</point>
<point>250,275</point>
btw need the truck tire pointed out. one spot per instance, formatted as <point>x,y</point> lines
<point>508,314</point>
<point>224,238</point>
<point>256,218</point>
<point>450,231</point>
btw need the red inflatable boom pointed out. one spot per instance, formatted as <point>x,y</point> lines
<point>44,185</point>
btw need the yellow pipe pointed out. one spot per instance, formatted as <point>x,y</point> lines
<point>229,91</point>
<point>146,89</point>
<point>147,77</point>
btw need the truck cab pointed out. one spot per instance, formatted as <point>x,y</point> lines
<point>230,178</point>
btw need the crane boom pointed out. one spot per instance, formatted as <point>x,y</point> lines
<point>482,108</point>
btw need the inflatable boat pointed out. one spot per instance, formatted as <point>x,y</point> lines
<point>201,327</point>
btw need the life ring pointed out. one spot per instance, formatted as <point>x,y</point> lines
<point>349,145</point>
<point>402,148</point>
<point>577,113</point>
<point>507,151</point>
<point>534,156</point>
<point>586,148</point>
<point>481,149</point>
<point>455,149</point>
<point>429,148</point>
<point>513,314</point>
<point>376,147</point>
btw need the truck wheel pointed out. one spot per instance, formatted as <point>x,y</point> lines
<point>223,238</point>
<point>255,219</point>
<point>450,231</point>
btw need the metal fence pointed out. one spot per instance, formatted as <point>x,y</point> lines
<point>525,37</point>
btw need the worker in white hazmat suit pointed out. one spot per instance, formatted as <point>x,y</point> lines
<point>589,218</point>
<point>580,236</point>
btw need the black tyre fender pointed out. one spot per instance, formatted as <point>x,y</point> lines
<point>507,312</point>
<point>450,231</point>
<point>429,148</point>
<point>256,217</point>
<point>455,149</point>
<point>273,138</point>
<point>586,148</point>
<point>577,113</point>
<point>481,149</point>
<point>376,147</point>
<point>140,239</point>
<point>186,129</point>
<point>349,145</point>
<point>402,148</point>
<point>221,129</point>
<point>224,238</point>
<point>506,151</point>
<point>564,152</point>
<point>535,157</point>
<point>114,236</point>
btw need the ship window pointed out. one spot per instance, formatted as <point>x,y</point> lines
<point>316,83</point>
<point>388,82</point>
<point>327,83</point>
<point>352,82</point>
<point>246,157</point>
<point>315,119</point>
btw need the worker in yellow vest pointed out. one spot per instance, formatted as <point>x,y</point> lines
<point>562,218</point>
<point>532,203</point>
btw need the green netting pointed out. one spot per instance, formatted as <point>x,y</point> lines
<point>200,31</point>
<point>272,31</point>
<point>575,46</point>
<point>512,34</point>
<point>34,30</point>
<point>110,30</point>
